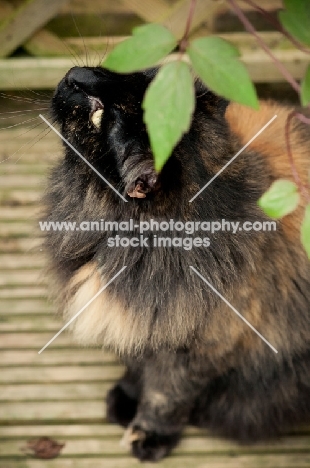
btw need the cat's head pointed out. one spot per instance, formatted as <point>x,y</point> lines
<point>100,114</point>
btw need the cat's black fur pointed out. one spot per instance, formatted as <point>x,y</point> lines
<point>190,359</point>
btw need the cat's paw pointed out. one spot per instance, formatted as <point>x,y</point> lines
<point>121,408</point>
<point>149,445</point>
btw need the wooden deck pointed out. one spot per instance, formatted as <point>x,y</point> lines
<point>60,393</point>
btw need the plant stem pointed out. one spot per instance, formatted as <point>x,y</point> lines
<point>304,190</point>
<point>277,25</point>
<point>250,28</point>
<point>184,40</point>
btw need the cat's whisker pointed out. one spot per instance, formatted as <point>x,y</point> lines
<point>27,95</point>
<point>19,123</point>
<point>74,56</point>
<point>20,112</point>
<point>23,99</point>
<point>7,117</point>
<point>82,38</point>
<point>75,59</point>
<point>25,144</point>
<point>104,54</point>
<point>40,94</point>
<point>44,133</point>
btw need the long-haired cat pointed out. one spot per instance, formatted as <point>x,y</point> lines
<point>190,359</point>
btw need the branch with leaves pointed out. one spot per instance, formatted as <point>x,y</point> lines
<point>169,101</point>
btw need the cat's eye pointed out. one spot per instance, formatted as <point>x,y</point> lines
<point>96,118</point>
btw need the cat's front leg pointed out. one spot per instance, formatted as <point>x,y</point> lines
<point>122,400</point>
<point>168,394</point>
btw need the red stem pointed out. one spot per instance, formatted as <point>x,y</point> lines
<point>250,28</point>
<point>304,190</point>
<point>184,41</point>
<point>278,26</point>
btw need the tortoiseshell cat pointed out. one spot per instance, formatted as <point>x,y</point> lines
<point>189,358</point>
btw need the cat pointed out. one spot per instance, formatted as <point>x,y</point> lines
<point>189,358</point>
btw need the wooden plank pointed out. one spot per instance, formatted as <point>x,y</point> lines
<point>149,10</point>
<point>23,261</point>
<point>21,152</point>
<point>189,445</point>
<point>21,181</point>
<point>176,20</point>
<point>120,7</point>
<point>11,136</point>
<point>22,293</point>
<point>63,430</point>
<point>97,47</point>
<point>246,42</point>
<point>24,169</point>
<point>21,147</point>
<point>30,16</point>
<point>45,43</point>
<point>26,306</point>
<point>52,411</point>
<point>85,25</point>
<point>174,17</point>
<point>97,7</point>
<point>273,39</point>
<point>18,213</point>
<point>5,9</point>
<point>297,460</point>
<point>29,323</point>
<point>18,197</point>
<point>55,357</point>
<point>266,4</point>
<point>262,68</point>
<point>36,341</point>
<point>55,392</point>
<point>88,430</point>
<point>19,229</point>
<point>24,73</point>
<point>77,430</point>
<point>20,156</point>
<point>53,374</point>
<point>22,277</point>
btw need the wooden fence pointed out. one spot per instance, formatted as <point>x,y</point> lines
<point>41,39</point>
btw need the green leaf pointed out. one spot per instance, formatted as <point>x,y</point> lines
<point>143,49</point>
<point>305,88</point>
<point>216,62</point>
<point>296,19</point>
<point>168,103</point>
<point>305,231</point>
<point>280,199</point>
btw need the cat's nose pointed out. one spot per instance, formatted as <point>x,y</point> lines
<point>80,76</point>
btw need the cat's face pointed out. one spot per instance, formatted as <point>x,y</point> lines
<point>100,113</point>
